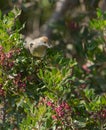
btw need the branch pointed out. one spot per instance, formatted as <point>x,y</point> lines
<point>61,7</point>
<point>103,5</point>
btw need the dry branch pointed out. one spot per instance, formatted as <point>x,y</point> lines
<point>61,7</point>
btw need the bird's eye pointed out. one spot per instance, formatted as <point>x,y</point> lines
<point>45,42</point>
<point>31,44</point>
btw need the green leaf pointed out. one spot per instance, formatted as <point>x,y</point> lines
<point>0,14</point>
<point>103,99</point>
<point>99,13</point>
<point>79,124</point>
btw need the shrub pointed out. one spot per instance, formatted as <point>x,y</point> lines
<point>55,93</point>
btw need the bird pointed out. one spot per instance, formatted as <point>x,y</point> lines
<point>38,46</point>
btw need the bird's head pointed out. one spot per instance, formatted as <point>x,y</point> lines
<point>38,47</point>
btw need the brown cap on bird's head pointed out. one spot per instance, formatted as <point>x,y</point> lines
<point>45,39</point>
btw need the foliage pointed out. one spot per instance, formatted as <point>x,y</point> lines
<point>56,92</point>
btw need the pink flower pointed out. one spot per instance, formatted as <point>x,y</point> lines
<point>86,69</point>
<point>54,117</point>
<point>60,111</point>
<point>67,106</point>
<point>9,54</point>
<point>2,92</point>
<point>64,105</point>
<point>2,56</point>
<point>2,59</point>
<point>50,104</point>
<point>11,64</point>
<point>22,85</point>
<point>103,114</point>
